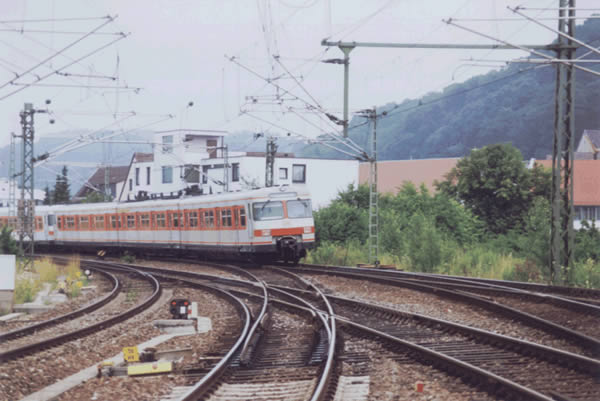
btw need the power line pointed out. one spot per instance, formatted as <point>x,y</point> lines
<point>58,52</point>
<point>67,65</point>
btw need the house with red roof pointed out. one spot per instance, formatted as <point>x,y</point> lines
<point>586,190</point>
<point>392,174</point>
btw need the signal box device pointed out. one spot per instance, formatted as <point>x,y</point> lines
<point>180,308</point>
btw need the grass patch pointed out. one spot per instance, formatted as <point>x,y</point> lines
<point>28,284</point>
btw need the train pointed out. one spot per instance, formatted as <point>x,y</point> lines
<point>266,224</point>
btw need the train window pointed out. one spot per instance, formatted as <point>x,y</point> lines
<point>242,217</point>
<point>226,218</point>
<point>145,220</point>
<point>114,222</point>
<point>193,219</point>
<point>4,221</point>
<point>39,223</point>
<point>269,210</point>
<point>160,220</point>
<point>209,219</point>
<point>60,222</point>
<point>70,223</point>
<point>84,223</point>
<point>175,220</point>
<point>130,221</point>
<point>298,209</point>
<point>51,219</point>
<point>99,222</point>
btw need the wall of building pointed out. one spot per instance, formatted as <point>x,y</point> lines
<point>323,177</point>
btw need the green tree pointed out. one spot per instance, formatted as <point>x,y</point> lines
<point>340,223</point>
<point>94,197</point>
<point>8,245</point>
<point>48,196</point>
<point>495,185</point>
<point>62,187</point>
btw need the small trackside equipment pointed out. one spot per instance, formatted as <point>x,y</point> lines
<point>180,308</point>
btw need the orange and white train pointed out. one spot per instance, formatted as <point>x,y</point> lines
<point>270,223</point>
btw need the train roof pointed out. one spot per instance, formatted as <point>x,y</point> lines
<point>271,192</point>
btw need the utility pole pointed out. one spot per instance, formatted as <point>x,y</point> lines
<point>562,234</point>
<point>270,161</point>
<point>371,114</point>
<point>12,181</point>
<point>225,168</point>
<point>26,206</point>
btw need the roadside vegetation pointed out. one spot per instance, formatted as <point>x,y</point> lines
<point>68,279</point>
<point>489,218</point>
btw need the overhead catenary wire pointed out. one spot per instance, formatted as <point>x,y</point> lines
<point>67,65</point>
<point>564,35</point>
<point>537,53</point>
<point>70,45</point>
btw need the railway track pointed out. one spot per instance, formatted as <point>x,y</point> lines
<point>55,340</point>
<point>590,345</point>
<point>36,327</point>
<point>287,347</point>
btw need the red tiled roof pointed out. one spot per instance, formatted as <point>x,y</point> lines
<point>393,174</point>
<point>586,181</point>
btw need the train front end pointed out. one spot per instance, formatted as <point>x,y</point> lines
<point>283,225</point>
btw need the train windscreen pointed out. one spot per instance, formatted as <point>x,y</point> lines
<point>269,210</point>
<point>298,209</point>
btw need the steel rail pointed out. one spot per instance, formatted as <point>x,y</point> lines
<point>27,330</point>
<point>60,339</point>
<point>538,287</point>
<point>206,383</point>
<point>488,381</point>
<point>320,391</point>
<point>578,338</point>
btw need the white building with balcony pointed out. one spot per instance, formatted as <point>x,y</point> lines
<point>195,162</point>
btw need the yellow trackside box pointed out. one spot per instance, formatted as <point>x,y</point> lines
<point>149,368</point>
<point>130,354</point>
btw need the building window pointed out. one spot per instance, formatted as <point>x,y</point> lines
<point>167,175</point>
<point>147,175</point>
<point>283,174</point>
<point>130,184</point>
<point>235,172</point>
<point>211,145</point>
<point>205,174</point>
<point>299,173</point>
<point>589,213</point>
<point>167,141</point>
<point>191,174</point>
<point>137,176</point>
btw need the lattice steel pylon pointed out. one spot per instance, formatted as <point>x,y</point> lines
<point>26,205</point>
<point>270,161</point>
<point>371,114</point>
<point>12,180</point>
<point>561,232</point>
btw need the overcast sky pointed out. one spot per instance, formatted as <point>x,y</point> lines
<point>176,54</point>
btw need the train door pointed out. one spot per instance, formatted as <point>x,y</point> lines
<point>50,226</point>
<point>175,221</point>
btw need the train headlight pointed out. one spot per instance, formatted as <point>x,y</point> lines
<point>265,233</point>
<point>307,230</point>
